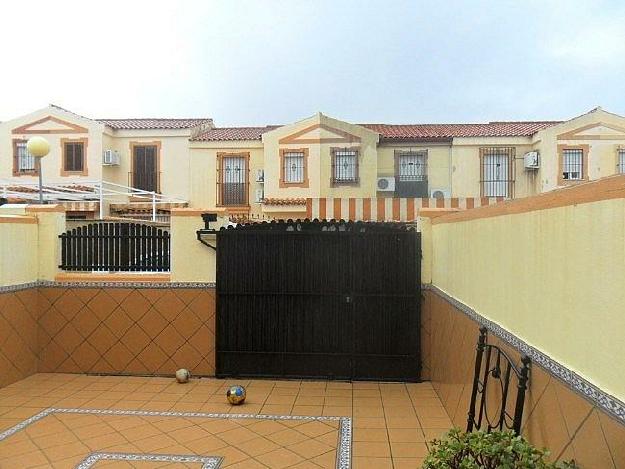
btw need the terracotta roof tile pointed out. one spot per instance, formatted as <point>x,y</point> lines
<point>437,131</point>
<point>400,131</point>
<point>233,133</point>
<point>149,124</point>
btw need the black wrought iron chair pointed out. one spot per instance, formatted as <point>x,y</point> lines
<point>494,367</point>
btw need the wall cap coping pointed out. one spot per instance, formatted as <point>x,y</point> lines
<point>45,208</point>
<point>607,188</point>
<point>112,277</point>
<point>23,219</point>
<point>194,212</point>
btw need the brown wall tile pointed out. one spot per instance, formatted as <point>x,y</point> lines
<point>127,331</point>
<point>555,416</point>
<point>19,315</point>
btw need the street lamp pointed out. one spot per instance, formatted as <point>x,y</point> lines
<point>38,147</point>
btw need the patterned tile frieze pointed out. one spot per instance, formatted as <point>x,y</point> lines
<point>603,400</point>
<point>90,284</point>
<point>208,462</point>
<point>18,287</point>
<point>52,284</point>
<point>343,454</point>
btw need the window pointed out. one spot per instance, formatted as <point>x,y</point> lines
<point>74,157</point>
<point>24,162</point>
<point>412,166</point>
<point>621,161</point>
<point>573,164</point>
<point>344,166</point>
<point>293,170</point>
<point>233,179</point>
<point>497,171</point>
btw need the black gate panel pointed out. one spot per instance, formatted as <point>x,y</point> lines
<point>318,300</point>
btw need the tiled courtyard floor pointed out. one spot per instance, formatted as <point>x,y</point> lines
<point>390,423</point>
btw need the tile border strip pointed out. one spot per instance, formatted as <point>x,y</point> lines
<point>18,287</point>
<point>208,462</point>
<point>156,285</point>
<point>606,402</point>
<point>343,450</point>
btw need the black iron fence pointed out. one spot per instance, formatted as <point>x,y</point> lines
<point>132,247</point>
<point>492,407</point>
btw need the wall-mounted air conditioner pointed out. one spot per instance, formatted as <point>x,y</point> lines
<point>260,175</point>
<point>531,160</point>
<point>386,184</point>
<point>440,194</point>
<point>110,158</point>
<point>259,196</point>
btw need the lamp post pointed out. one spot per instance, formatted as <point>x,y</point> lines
<point>38,147</point>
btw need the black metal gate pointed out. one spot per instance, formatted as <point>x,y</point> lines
<point>319,300</point>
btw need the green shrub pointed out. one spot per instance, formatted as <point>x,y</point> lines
<point>481,450</point>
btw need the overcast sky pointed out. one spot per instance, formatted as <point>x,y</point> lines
<point>276,61</point>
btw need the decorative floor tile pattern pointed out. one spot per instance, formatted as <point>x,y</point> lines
<point>58,420</point>
<point>133,458</point>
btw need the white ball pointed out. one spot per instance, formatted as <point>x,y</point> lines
<point>183,375</point>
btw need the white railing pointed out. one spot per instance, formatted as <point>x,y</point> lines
<point>86,191</point>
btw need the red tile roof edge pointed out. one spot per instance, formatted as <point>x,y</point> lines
<point>432,132</point>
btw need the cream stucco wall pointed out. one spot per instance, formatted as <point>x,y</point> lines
<point>319,142</point>
<point>438,164</point>
<point>602,150</point>
<point>192,261</point>
<point>52,163</point>
<point>203,168</point>
<point>553,277</point>
<point>18,252</point>
<point>174,160</point>
<point>466,170</point>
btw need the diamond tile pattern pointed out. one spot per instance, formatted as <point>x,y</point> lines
<point>19,313</point>
<point>555,416</point>
<point>127,331</point>
<point>115,330</point>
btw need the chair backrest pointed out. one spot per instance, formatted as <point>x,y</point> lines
<point>493,367</point>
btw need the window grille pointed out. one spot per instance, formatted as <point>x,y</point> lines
<point>293,166</point>
<point>74,156</point>
<point>233,181</point>
<point>345,166</point>
<point>25,161</point>
<point>573,164</point>
<point>412,166</point>
<point>621,161</point>
<point>497,172</point>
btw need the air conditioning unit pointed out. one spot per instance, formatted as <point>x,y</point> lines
<point>110,158</point>
<point>386,184</point>
<point>440,194</point>
<point>260,175</point>
<point>260,196</point>
<point>531,160</point>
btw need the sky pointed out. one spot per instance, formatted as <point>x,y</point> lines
<point>277,61</point>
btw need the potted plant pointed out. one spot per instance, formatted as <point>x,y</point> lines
<point>482,450</point>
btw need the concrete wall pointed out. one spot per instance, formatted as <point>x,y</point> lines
<point>549,269</point>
